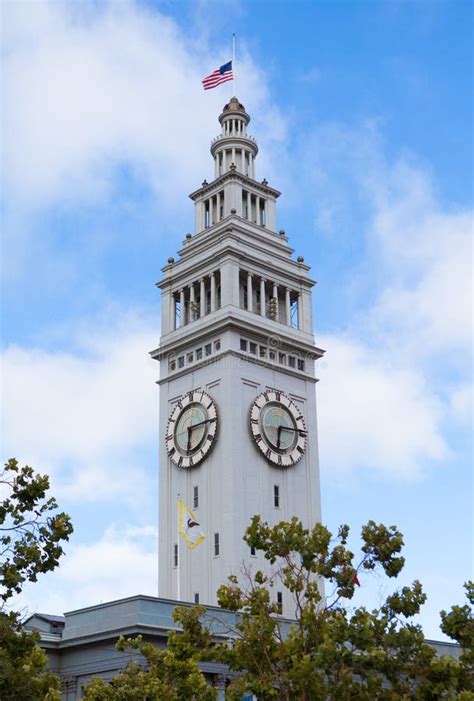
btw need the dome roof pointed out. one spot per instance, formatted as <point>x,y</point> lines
<point>234,107</point>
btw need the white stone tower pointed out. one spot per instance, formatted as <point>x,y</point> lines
<point>238,429</point>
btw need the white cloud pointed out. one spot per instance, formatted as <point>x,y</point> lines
<point>82,416</point>
<point>462,404</point>
<point>384,400</point>
<point>374,414</point>
<point>428,254</point>
<point>88,89</point>
<point>115,566</point>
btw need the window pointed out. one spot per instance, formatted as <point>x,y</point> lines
<point>300,364</point>
<point>243,344</point>
<point>272,355</point>
<point>276,496</point>
<point>282,358</point>
<point>175,555</point>
<point>253,552</point>
<point>190,357</point>
<point>291,361</point>
<point>280,601</point>
<point>172,364</point>
<point>253,348</point>
<point>217,344</point>
<point>263,352</point>
<point>181,361</point>
<point>198,353</point>
<point>208,348</point>
<point>216,545</point>
<point>195,497</point>
<point>196,597</point>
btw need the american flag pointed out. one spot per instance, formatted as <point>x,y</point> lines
<point>220,75</point>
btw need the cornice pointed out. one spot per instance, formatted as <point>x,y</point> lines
<point>228,140</point>
<point>224,240</point>
<point>232,222</point>
<point>207,188</point>
<point>234,317</point>
<point>282,274</point>
<point>278,338</point>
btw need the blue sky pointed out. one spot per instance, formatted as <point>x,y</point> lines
<point>363,116</point>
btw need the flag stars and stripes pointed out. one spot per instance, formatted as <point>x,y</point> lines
<point>220,75</point>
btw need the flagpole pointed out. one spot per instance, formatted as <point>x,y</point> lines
<point>233,65</point>
<point>178,569</point>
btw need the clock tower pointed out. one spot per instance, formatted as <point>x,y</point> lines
<point>238,428</point>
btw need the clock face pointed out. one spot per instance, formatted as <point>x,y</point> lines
<point>278,428</point>
<point>192,429</point>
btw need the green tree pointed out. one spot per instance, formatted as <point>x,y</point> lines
<point>172,673</point>
<point>24,672</point>
<point>31,536</point>
<point>333,652</point>
<point>31,532</point>
<point>330,651</point>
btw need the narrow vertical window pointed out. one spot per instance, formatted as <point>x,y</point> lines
<point>276,496</point>
<point>196,597</point>
<point>175,555</point>
<point>195,497</point>
<point>216,545</point>
<point>280,601</point>
<point>253,552</point>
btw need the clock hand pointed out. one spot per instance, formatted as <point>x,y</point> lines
<point>188,447</point>
<point>279,435</point>
<point>201,423</point>
<point>295,430</point>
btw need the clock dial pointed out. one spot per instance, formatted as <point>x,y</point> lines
<point>192,429</point>
<point>278,428</point>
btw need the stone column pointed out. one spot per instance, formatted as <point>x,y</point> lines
<point>275,296</point>
<point>288,306</point>
<point>251,166</point>
<point>257,209</point>
<point>249,293</point>
<point>203,296</point>
<point>213,292</point>
<point>224,160</point>
<point>192,309</point>
<point>249,206</point>
<point>182,315</point>
<point>233,156</point>
<point>262,296</point>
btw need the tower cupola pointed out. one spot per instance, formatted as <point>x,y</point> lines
<point>233,146</point>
